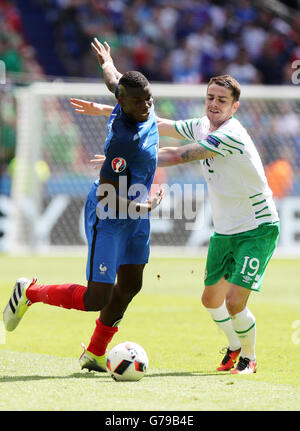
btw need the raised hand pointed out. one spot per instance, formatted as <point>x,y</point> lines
<point>102,51</point>
<point>110,73</point>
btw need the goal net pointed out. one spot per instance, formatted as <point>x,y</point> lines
<point>52,174</point>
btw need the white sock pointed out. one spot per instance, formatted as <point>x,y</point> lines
<point>223,320</point>
<point>244,325</point>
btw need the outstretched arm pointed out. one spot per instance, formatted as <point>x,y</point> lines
<point>111,74</point>
<point>91,108</point>
<point>170,156</point>
<point>166,127</point>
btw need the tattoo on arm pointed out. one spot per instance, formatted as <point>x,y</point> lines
<point>195,152</point>
<point>170,156</point>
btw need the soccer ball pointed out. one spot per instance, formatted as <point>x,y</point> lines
<point>127,362</point>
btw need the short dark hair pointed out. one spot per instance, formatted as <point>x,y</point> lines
<point>228,82</point>
<point>133,79</point>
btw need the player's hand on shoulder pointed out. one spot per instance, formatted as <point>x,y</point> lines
<point>98,161</point>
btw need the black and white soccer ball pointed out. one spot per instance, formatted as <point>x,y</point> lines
<point>127,361</point>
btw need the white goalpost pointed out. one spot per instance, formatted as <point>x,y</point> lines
<point>52,175</point>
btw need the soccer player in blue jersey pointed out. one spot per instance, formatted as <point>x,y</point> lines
<point>116,222</point>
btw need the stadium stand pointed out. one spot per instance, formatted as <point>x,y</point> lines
<point>190,40</point>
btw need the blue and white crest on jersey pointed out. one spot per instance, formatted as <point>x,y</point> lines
<point>213,141</point>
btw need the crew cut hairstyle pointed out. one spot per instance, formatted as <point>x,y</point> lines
<point>133,79</point>
<point>228,82</point>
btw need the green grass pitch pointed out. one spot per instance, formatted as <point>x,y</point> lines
<point>39,367</point>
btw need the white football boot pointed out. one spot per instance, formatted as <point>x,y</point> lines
<point>18,304</point>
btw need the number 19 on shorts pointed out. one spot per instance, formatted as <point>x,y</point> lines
<point>250,265</point>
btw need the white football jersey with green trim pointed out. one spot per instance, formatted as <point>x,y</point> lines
<point>238,190</point>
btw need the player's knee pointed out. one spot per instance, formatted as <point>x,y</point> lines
<point>207,300</point>
<point>129,292</point>
<point>95,304</point>
<point>136,288</point>
<point>233,305</point>
<point>97,297</point>
<point>236,299</point>
<point>204,300</point>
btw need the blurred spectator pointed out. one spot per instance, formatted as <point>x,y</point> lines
<point>270,64</point>
<point>279,174</point>
<point>19,57</point>
<point>185,64</point>
<point>254,37</point>
<point>286,123</point>
<point>31,65</point>
<point>10,16</point>
<point>62,139</point>
<point>11,56</point>
<point>7,129</point>
<point>71,41</point>
<point>242,70</point>
<point>245,12</point>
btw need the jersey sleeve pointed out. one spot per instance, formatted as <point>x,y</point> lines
<point>118,157</point>
<point>223,142</point>
<point>187,128</point>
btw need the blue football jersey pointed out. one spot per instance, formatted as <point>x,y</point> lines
<point>131,151</point>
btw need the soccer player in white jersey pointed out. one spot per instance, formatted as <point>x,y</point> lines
<point>245,219</point>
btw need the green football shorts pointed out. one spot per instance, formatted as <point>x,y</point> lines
<point>241,258</point>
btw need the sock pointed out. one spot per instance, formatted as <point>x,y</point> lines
<point>245,328</point>
<point>223,320</point>
<point>101,337</point>
<point>62,295</point>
